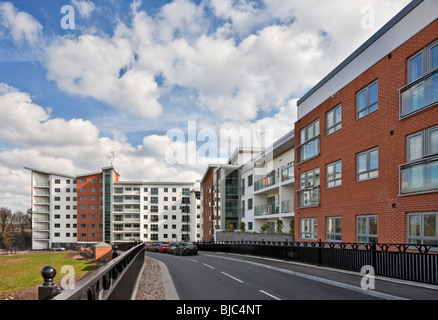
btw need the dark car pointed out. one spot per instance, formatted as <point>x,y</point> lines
<point>186,248</point>
<point>163,248</point>
<point>172,246</point>
<point>154,247</point>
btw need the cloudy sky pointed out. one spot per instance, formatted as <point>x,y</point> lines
<point>151,80</point>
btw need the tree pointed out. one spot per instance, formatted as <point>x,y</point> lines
<point>292,226</point>
<point>5,219</point>
<point>229,226</point>
<point>279,225</point>
<point>264,228</point>
<point>242,226</point>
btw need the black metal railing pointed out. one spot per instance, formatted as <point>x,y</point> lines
<point>113,281</point>
<point>412,262</point>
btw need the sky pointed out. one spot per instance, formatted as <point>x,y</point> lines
<point>165,86</point>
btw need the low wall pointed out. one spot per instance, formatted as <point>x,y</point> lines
<point>246,236</point>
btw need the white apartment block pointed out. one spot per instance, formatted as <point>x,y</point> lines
<point>70,211</point>
<point>267,187</point>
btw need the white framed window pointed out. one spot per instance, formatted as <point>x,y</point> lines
<point>368,164</point>
<point>422,228</point>
<point>367,228</point>
<point>334,228</point>
<point>367,100</point>
<point>309,228</point>
<point>309,188</point>
<point>334,174</point>
<point>334,120</point>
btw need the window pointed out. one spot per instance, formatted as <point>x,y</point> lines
<point>367,100</point>
<point>309,141</point>
<point>308,228</point>
<point>368,164</point>
<point>250,204</point>
<point>420,173</point>
<point>83,180</point>
<point>57,181</point>
<point>250,181</point>
<point>334,228</point>
<point>367,229</point>
<point>154,191</point>
<point>422,89</point>
<point>333,120</point>
<point>309,188</point>
<point>423,228</point>
<point>334,174</point>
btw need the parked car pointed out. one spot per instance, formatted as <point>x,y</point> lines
<point>163,248</point>
<point>58,249</point>
<point>154,247</point>
<point>147,246</point>
<point>171,247</point>
<point>186,248</point>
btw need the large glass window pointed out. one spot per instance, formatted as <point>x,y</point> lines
<point>368,164</point>
<point>367,229</point>
<point>334,120</point>
<point>423,228</point>
<point>422,88</point>
<point>420,173</point>
<point>309,141</point>
<point>367,100</point>
<point>309,188</point>
<point>334,174</point>
<point>309,228</point>
<point>334,228</point>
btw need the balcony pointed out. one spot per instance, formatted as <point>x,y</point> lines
<point>266,209</point>
<point>419,94</point>
<point>419,176</point>
<point>308,197</point>
<point>265,182</point>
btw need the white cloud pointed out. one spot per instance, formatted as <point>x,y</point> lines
<point>102,68</point>
<point>21,25</point>
<point>85,7</point>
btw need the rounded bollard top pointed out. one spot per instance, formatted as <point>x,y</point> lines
<point>48,273</point>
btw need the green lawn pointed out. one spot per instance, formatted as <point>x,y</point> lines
<point>24,271</point>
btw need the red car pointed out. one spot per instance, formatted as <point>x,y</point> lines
<point>146,247</point>
<point>163,248</point>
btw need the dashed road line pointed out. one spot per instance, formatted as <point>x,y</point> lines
<point>270,295</point>
<point>208,266</point>
<point>241,281</point>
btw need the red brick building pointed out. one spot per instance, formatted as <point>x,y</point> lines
<point>209,221</point>
<point>367,139</point>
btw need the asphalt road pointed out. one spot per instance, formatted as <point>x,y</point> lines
<point>216,276</point>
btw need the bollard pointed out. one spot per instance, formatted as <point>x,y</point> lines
<point>48,289</point>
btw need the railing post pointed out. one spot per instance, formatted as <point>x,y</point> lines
<point>48,289</point>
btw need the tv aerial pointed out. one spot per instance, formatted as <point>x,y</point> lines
<point>111,156</point>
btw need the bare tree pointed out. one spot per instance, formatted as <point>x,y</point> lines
<point>5,219</point>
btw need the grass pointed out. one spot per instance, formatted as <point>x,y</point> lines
<point>24,271</point>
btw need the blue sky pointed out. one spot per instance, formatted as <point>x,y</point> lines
<point>131,71</point>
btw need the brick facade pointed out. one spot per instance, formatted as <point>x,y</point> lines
<point>382,129</point>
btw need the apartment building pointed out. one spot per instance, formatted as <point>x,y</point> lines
<point>367,139</point>
<point>87,209</point>
<point>267,187</point>
<point>255,186</point>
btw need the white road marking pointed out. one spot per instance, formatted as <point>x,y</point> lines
<point>268,294</point>
<point>208,265</point>
<point>232,277</point>
<point>193,260</point>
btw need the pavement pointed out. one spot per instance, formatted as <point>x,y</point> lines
<point>379,287</point>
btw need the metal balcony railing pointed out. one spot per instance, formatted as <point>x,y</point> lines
<point>308,197</point>
<point>419,176</point>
